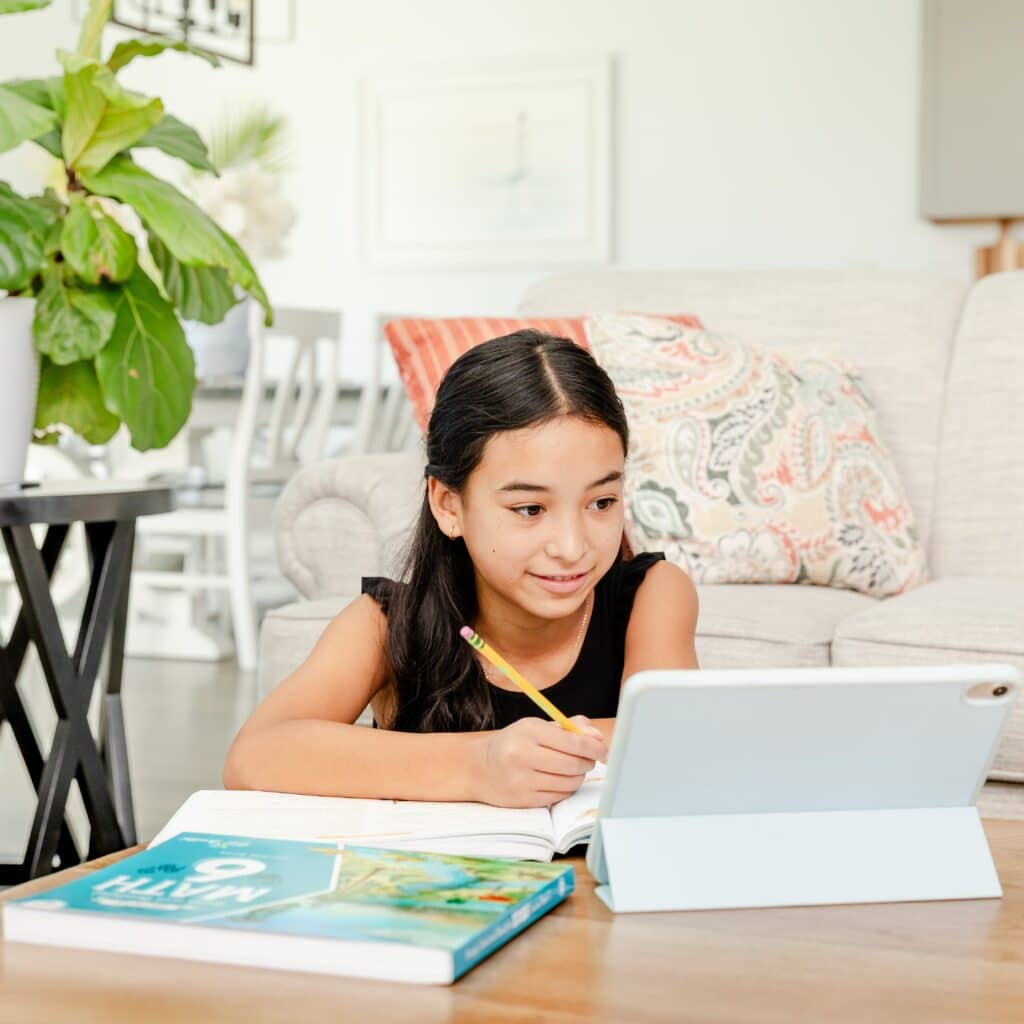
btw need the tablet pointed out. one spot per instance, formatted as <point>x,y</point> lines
<point>782,747</point>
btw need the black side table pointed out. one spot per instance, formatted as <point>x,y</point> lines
<point>108,511</point>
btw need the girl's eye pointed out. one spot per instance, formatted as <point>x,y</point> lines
<point>532,511</point>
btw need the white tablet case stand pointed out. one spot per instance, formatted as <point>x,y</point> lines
<point>798,787</point>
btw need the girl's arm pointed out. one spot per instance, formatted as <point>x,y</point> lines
<point>301,738</point>
<point>662,627</point>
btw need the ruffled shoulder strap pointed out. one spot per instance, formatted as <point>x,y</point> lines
<point>380,588</point>
<point>629,575</point>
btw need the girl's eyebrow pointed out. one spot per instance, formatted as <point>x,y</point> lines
<point>519,485</point>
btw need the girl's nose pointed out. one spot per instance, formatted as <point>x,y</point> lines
<point>566,544</point>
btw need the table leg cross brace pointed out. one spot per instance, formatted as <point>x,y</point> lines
<point>101,768</point>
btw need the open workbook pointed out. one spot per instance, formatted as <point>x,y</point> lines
<point>476,830</point>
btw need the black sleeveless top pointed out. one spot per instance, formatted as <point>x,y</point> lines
<point>592,685</point>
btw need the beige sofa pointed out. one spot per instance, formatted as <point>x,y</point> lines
<point>944,364</point>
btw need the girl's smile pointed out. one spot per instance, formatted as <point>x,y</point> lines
<point>562,584</point>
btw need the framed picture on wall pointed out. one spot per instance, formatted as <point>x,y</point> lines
<point>487,163</point>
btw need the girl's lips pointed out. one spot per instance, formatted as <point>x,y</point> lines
<point>561,586</point>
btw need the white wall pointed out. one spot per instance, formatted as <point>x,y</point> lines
<point>745,133</point>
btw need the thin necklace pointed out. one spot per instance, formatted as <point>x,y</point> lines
<point>578,643</point>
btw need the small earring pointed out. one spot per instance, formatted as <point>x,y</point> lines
<point>451,532</point>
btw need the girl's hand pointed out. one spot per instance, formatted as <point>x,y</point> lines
<point>536,763</point>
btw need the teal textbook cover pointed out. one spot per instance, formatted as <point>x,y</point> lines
<point>393,914</point>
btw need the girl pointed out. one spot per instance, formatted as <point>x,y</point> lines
<point>519,536</point>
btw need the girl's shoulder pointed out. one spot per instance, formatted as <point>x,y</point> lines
<point>661,625</point>
<point>648,593</point>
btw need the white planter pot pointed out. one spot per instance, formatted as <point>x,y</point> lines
<point>221,350</point>
<point>18,386</point>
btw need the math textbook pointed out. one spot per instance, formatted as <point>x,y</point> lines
<point>361,911</point>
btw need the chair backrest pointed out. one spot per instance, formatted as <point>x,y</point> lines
<point>385,420</point>
<point>284,417</point>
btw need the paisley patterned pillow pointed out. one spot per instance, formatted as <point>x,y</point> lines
<point>745,467</point>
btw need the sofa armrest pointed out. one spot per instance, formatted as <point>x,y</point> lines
<point>345,518</point>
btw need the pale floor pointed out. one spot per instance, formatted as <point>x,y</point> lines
<point>180,718</point>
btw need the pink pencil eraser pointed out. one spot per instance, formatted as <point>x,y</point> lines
<point>465,632</point>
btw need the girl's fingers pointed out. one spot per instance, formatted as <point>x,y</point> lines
<point>558,785</point>
<point>587,726</point>
<point>576,745</point>
<point>556,763</point>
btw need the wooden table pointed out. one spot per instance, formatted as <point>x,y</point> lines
<point>929,962</point>
<point>108,511</point>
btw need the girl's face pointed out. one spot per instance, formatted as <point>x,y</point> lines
<point>541,515</point>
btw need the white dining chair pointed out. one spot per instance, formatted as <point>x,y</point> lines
<point>384,420</point>
<point>282,423</point>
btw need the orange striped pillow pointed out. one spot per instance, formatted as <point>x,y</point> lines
<point>424,349</point>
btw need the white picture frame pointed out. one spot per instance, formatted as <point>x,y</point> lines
<point>487,163</point>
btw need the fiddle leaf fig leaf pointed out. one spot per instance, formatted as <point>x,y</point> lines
<point>17,6</point>
<point>189,234</point>
<point>198,292</point>
<point>177,139</point>
<point>95,245</point>
<point>128,51</point>
<point>48,93</point>
<point>24,227</point>
<point>71,323</point>
<point>70,396</point>
<point>21,119</point>
<point>146,370</point>
<point>102,117</point>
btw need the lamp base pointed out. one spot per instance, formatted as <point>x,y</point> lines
<point>1006,254</point>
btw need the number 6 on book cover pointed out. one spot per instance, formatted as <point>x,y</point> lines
<point>781,787</point>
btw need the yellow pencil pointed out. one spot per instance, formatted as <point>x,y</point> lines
<point>477,642</point>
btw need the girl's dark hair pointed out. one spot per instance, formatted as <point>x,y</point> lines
<point>516,381</point>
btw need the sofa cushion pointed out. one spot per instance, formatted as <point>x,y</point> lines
<point>771,625</point>
<point>749,467</point>
<point>346,518</point>
<point>980,490</point>
<point>957,620</point>
<point>287,636</point>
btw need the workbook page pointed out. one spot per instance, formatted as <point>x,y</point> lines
<point>420,818</point>
<point>574,817</point>
<point>272,816</point>
<point>462,828</point>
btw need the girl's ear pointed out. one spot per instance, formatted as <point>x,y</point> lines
<point>446,506</point>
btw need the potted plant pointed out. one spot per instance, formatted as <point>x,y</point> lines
<point>108,302</point>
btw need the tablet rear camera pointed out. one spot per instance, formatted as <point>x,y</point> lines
<point>981,694</point>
